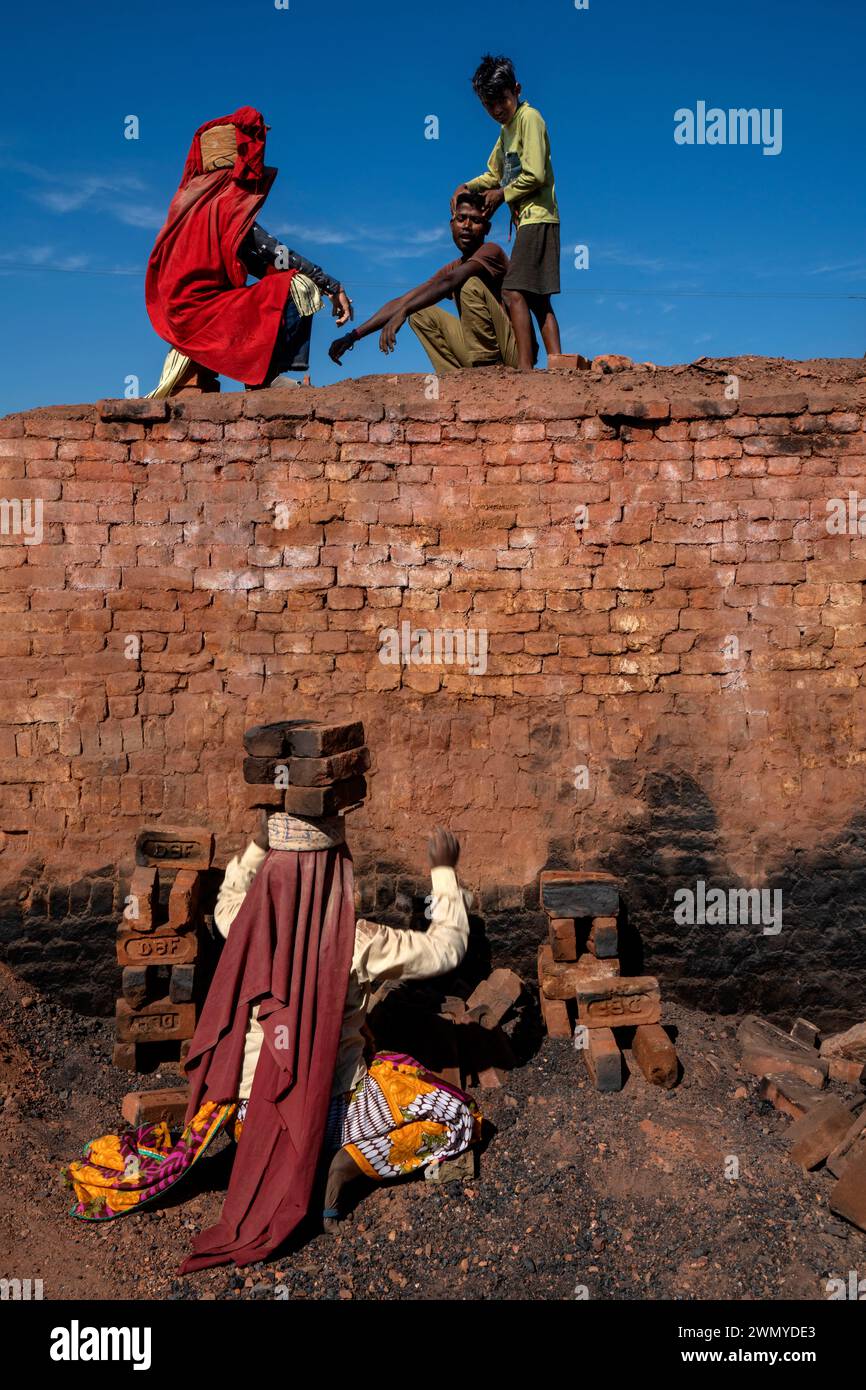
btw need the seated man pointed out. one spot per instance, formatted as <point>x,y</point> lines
<point>481,335</point>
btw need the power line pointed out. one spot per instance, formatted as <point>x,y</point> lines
<point>568,289</point>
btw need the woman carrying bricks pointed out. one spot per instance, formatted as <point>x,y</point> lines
<point>195,289</point>
<point>278,1055</point>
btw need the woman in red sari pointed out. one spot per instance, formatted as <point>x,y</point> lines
<point>196,286</point>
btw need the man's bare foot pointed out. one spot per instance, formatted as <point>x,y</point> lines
<point>340,346</point>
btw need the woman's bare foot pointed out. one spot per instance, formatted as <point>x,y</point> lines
<point>342,1171</point>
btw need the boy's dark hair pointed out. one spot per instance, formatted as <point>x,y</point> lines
<point>473,198</point>
<point>493,76</point>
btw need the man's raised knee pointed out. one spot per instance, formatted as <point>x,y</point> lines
<point>472,290</point>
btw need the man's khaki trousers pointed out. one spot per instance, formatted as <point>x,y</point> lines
<point>481,337</point>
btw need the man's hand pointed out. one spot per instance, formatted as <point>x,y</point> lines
<point>460,189</point>
<point>388,336</point>
<point>444,849</point>
<point>341,307</point>
<point>493,199</point>
<point>261,836</point>
<point>339,346</point>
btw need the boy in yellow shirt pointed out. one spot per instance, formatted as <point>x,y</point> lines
<point>519,173</point>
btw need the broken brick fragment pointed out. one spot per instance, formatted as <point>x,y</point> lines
<point>850,1146</point>
<point>789,1094</point>
<point>850,1045</point>
<point>805,1032</point>
<point>849,1073</point>
<point>767,1050</point>
<point>817,1133</point>
<point>498,993</point>
<point>848,1197</point>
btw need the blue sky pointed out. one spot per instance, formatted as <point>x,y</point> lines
<point>693,250</point>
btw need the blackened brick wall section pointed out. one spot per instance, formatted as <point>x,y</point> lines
<point>698,645</point>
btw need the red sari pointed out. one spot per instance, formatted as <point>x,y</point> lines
<point>195,287</point>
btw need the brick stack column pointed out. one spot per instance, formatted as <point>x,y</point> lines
<point>158,946</point>
<point>582,992</point>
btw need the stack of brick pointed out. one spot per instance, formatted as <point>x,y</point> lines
<point>462,1040</point>
<point>158,946</point>
<point>828,1130</point>
<point>582,992</point>
<point>482,1050</point>
<point>314,769</point>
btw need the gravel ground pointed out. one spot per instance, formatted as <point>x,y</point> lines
<point>622,1195</point>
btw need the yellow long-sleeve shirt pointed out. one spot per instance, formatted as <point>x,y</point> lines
<point>520,164</point>
<point>380,953</point>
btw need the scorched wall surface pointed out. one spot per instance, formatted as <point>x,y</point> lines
<point>673,686</point>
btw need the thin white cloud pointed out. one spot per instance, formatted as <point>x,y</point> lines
<point>322,236</point>
<point>379,245</point>
<point>43,257</point>
<point>855,269</point>
<point>123,196</point>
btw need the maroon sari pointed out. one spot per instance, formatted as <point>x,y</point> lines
<point>289,950</point>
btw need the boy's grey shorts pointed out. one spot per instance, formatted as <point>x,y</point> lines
<point>534,265</point>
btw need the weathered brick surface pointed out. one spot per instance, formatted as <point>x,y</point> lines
<point>674,675</point>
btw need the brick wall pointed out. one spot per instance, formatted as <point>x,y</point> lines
<point>676,646</point>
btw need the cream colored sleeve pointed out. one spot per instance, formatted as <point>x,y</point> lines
<point>389,953</point>
<point>238,877</point>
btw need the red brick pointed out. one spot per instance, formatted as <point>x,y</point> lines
<point>848,1197</point>
<point>602,1058</point>
<point>656,1055</point>
<point>151,1107</point>
<point>789,1094</point>
<point>815,1135</point>
<point>141,908</point>
<point>624,1001</point>
<point>160,1021</point>
<point>133,409</point>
